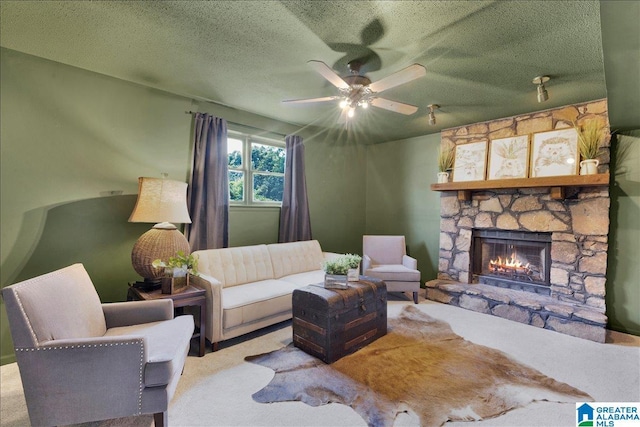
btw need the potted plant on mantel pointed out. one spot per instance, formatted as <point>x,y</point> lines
<point>445,163</point>
<point>590,139</point>
<point>177,271</point>
<point>340,270</point>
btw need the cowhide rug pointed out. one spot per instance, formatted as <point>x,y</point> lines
<point>420,365</point>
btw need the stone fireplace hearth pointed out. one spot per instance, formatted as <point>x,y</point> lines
<point>568,296</point>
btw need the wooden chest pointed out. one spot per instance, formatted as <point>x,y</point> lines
<point>331,323</point>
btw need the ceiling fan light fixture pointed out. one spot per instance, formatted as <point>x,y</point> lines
<point>543,95</point>
<point>357,90</point>
<point>432,116</point>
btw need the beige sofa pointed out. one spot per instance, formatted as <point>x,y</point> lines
<point>250,287</point>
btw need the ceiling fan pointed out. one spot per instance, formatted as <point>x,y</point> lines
<point>357,90</point>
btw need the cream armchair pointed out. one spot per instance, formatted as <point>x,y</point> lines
<point>385,258</point>
<point>81,360</point>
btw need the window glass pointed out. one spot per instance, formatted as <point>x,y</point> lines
<point>234,151</point>
<point>236,186</point>
<point>256,169</point>
<point>267,158</point>
<point>268,188</point>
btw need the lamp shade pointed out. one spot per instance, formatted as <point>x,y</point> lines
<point>161,200</point>
<point>164,202</point>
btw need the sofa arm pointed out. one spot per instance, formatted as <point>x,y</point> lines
<point>137,312</point>
<point>67,377</point>
<point>409,262</point>
<point>213,288</point>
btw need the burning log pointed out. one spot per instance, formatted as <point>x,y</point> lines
<point>511,266</point>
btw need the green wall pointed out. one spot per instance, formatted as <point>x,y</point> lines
<point>336,184</point>
<point>399,200</point>
<point>73,145</point>
<point>623,272</point>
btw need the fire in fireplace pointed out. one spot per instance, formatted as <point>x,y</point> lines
<point>512,259</point>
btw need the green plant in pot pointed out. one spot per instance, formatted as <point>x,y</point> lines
<point>341,269</point>
<point>176,271</point>
<point>353,261</point>
<point>445,162</point>
<point>590,138</point>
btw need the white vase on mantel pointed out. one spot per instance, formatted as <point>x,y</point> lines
<point>443,177</point>
<point>589,167</point>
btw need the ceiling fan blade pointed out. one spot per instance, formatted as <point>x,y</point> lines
<point>395,106</point>
<point>308,100</point>
<point>325,71</point>
<point>401,77</point>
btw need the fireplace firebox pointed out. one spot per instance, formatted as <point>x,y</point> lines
<point>512,259</point>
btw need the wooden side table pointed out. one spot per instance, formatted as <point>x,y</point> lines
<point>191,296</point>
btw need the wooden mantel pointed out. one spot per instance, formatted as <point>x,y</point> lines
<point>556,183</point>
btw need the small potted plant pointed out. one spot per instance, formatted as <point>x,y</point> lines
<point>353,272</point>
<point>445,163</point>
<point>590,139</point>
<point>337,271</point>
<point>177,271</point>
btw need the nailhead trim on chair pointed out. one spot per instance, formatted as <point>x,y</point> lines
<point>114,344</point>
<point>24,313</point>
<point>65,347</point>
<point>140,382</point>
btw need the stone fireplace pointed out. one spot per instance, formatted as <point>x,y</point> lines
<point>521,253</point>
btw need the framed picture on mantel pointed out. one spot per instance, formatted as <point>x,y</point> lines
<point>508,158</point>
<point>470,161</point>
<point>555,153</point>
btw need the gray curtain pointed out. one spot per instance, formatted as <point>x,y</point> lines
<point>208,192</point>
<point>295,224</point>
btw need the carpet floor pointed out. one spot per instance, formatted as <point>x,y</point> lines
<point>216,390</point>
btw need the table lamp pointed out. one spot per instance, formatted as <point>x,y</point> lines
<point>163,202</point>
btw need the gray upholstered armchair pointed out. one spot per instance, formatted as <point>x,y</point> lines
<point>81,360</point>
<point>385,257</point>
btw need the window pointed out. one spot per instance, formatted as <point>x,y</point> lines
<point>256,170</point>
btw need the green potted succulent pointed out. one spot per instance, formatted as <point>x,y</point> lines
<point>340,270</point>
<point>177,271</point>
<point>353,261</point>
<point>445,162</point>
<point>590,138</point>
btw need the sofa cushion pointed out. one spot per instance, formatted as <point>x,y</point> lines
<point>236,266</point>
<point>164,351</point>
<point>295,257</point>
<point>304,279</point>
<point>253,301</point>
<point>398,273</point>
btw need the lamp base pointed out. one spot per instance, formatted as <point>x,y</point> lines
<point>160,242</point>
<point>147,285</point>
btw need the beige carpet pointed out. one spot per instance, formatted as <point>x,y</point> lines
<point>420,365</point>
<point>216,389</point>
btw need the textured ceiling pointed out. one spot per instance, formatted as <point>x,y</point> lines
<point>251,55</point>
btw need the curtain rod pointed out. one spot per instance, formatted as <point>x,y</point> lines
<point>247,126</point>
